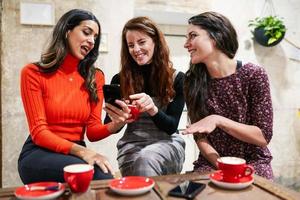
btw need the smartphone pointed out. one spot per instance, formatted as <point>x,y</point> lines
<point>187,189</point>
<point>111,93</point>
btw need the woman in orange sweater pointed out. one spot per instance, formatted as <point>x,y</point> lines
<point>62,97</point>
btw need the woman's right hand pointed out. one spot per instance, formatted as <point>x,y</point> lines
<point>144,103</point>
<point>203,126</point>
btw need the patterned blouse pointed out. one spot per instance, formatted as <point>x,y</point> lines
<point>242,97</point>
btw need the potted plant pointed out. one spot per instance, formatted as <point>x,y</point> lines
<point>268,31</point>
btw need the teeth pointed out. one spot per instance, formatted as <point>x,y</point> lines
<point>140,56</point>
<point>86,49</point>
<point>191,52</point>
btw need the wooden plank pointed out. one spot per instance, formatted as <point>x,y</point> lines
<point>275,189</point>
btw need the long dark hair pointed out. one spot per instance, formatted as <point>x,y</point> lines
<point>219,29</point>
<point>162,71</point>
<point>57,49</point>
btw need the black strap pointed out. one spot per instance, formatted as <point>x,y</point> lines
<point>239,64</point>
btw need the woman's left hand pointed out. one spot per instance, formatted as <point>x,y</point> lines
<point>144,103</point>
<point>205,125</point>
<point>118,115</point>
<point>93,158</point>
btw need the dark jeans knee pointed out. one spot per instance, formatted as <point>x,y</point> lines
<point>100,175</point>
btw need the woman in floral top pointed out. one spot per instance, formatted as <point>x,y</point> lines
<point>229,103</point>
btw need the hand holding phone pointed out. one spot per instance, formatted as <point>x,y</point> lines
<point>187,189</point>
<point>112,93</point>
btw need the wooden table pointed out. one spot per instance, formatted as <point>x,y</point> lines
<point>260,189</point>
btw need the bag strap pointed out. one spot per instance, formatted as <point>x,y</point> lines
<point>239,64</point>
<point>175,74</point>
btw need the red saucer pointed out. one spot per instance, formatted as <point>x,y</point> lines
<point>217,179</point>
<point>218,176</point>
<point>131,185</point>
<point>24,193</point>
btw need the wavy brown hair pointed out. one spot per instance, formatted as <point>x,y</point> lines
<point>219,29</point>
<point>57,49</point>
<point>162,69</point>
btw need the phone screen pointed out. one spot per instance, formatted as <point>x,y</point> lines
<point>187,189</point>
<point>111,93</point>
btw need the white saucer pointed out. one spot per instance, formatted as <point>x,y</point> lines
<point>217,179</point>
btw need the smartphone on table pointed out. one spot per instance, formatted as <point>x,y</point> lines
<point>187,189</point>
<point>111,93</point>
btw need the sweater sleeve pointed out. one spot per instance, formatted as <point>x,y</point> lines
<point>261,111</point>
<point>96,130</point>
<point>168,121</point>
<point>32,97</point>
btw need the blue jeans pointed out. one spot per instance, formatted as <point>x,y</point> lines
<point>37,164</point>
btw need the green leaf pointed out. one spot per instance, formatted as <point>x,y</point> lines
<point>278,34</point>
<point>271,40</point>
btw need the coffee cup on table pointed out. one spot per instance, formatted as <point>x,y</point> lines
<point>78,177</point>
<point>233,168</point>
<point>134,111</point>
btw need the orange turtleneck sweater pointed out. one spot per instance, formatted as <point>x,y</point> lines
<point>58,108</point>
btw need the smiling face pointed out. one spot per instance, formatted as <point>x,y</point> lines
<point>199,44</point>
<point>81,39</point>
<point>141,46</point>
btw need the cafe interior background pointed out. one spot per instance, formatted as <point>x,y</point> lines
<point>26,24</point>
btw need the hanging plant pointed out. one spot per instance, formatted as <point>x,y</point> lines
<point>268,31</point>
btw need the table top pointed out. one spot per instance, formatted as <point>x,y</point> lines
<point>260,189</point>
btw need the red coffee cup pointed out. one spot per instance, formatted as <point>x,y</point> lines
<point>234,169</point>
<point>78,177</point>
<point>134,111</point>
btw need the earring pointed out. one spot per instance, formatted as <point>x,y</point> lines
<point>67,34</point>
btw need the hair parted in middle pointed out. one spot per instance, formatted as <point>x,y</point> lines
<point>162,68</point>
